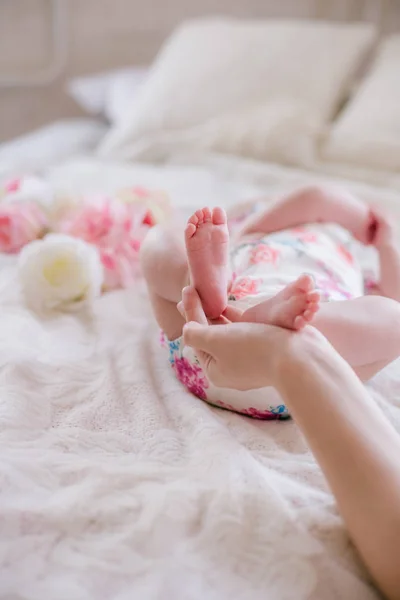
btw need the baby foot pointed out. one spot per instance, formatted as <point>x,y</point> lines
<point>207,246</point>
<point>292,308</point>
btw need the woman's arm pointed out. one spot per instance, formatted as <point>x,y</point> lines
<point>356,447</point>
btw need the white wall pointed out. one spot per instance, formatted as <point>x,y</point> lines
<point>103,34</point>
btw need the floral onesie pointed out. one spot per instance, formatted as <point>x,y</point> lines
<point>262,265</point>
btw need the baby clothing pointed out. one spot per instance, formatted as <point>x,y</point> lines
<point>262,265</point>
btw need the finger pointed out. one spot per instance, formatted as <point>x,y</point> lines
<point>232,314</point>
<point>181,309</point>
<point>192,306</point>
<point>198,336</point>
<point>209,365</point>
<point>220,321</point>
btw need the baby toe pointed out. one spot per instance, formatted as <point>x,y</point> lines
<point>190,230</point>
<point>207,214</point>
<point>219,216</point>
<point>200,215</point>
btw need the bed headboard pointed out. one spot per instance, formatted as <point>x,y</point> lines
<point>44,42</point>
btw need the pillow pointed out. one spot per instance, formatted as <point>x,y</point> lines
<point>108,94</point>
<point>367,133</point>
<point>257,88</point>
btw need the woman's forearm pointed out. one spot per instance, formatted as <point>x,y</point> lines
<point>357,449</point>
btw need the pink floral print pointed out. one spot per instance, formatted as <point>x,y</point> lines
<point>274,413</point>
<point>263,254</point>
<point>371,283</point>
<point>345,254</point>
<point>163,340</point>
<point>329,286</point>
<point>191,375</point>
<point>305,236</point>
<point>245,286</point>
<point>193,378</point>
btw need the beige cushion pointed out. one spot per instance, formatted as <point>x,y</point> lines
<point>257,88</point>
<point>367,133</point>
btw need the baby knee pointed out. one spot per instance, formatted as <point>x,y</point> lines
<point>314,193</point>
<point>150,250</point>
<point>390,324</point>
<point>394,318</point>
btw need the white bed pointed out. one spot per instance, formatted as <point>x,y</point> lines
<point>115,482</point>
<point>50,145</point>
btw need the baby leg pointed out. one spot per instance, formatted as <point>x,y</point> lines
<point>207,246</point>
<point>365,331</point>
<point>165,269</point>
<point>315,204</point>
<point>169,260</point>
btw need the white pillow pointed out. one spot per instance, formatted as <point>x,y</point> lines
<point>367,133</point>
<point>108,94</point>
<point>258,88</point>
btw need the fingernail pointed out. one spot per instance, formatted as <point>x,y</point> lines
<point>191,324</point>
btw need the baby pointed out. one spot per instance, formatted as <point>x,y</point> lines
<point>289,264</point>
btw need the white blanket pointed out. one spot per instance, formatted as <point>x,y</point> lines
<point>117,483</point>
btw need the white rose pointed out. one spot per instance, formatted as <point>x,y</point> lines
<point>59,272</point>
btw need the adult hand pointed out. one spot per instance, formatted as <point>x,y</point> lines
<point>241,356</point>
<point>236,355</point>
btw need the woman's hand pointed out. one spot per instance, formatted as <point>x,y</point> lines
<point>238,355</point>
<point>241,356</point>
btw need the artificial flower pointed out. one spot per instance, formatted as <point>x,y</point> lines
<point>20,223</point>
<point>29,189</point>
<point>117,230</point>
<point>156,203</point>
<point>59,272</point>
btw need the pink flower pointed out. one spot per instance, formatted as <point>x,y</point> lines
<point>141,192</point>
<point>117,230</point>
<point>20,223</point>
<point>12,186</point>
<point>263,254</point>
<point>155,203</point>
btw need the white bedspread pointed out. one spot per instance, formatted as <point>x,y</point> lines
<point>49,145</point>
<point>117,483</point>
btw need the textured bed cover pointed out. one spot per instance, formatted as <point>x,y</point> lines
<point>116,483</point>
